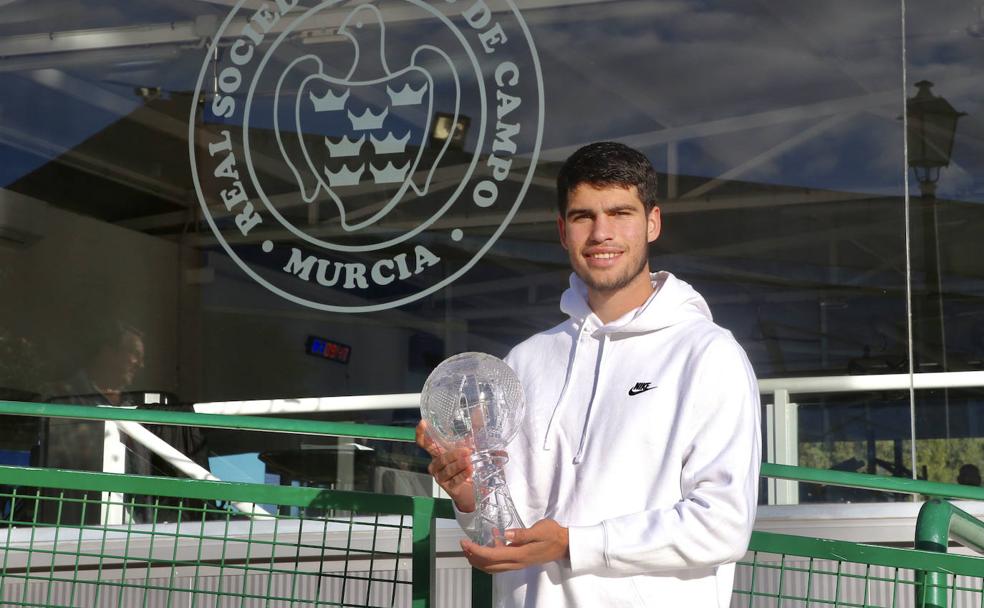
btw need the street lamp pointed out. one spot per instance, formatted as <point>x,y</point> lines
<point>932,125</point>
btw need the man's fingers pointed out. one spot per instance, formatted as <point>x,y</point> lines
<point>450,469</point>
<point>424,440</point>
<point>497,568</point>
<point>500,558</point>
<point>499,553</point>
<point>445,467</point>
<point>519,536</point>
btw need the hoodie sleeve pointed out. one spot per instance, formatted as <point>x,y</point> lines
<point>467,521</point>
<point>719,484</point>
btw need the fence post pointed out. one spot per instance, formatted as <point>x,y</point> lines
<point>787,444</point>
<point>481,590</point>
<point>782,445</point>
<point>932,534</point>
<point>114,461</point>
<point>424,551</point>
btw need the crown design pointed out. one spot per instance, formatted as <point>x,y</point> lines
<point>368,121</point>
<point>407,96</point>
<point>344,147</point>
<point>390,145</point>
<point>344,176</point>
<point>390,174</point>
<point>330,102</point>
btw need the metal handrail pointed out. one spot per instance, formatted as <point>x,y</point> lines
<point>129,421</point>
<point>840,553</point>
<point>214,421</point>
<point>847,551</point>
<point>938,523</point>
<point>370,431</point>
<point>872,382</point>
<point>867,481</point>
<point>424,510</point>
<point>939,520</point>
<point>781,410</point>
<point>794,386</point>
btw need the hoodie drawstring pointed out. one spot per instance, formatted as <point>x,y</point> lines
<point>672,301</point>
<point>599,365</point>
<point>567,384</point>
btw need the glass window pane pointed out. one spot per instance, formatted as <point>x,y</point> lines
<point>201,206</point>
<point>946,177</point>
<point>855,433</point>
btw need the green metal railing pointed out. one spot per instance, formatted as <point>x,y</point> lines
<point>183,539</point>
<point>184,545</point>
<point>784,570</point>
<point>319,548</point>
<point>211,421</point>
<point>938,523</point>
<point>781,570</point>
<point>866,481</point>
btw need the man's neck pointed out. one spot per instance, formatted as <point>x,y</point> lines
<point>610,305</point>
<point>101,380</point>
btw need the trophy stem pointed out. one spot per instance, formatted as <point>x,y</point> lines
<point>496,511</point>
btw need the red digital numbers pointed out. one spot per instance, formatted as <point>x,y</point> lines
<point>333,351</point>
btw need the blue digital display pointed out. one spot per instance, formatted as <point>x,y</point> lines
<point>328,349</point>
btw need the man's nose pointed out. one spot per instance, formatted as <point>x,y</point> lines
<point>601,229</point>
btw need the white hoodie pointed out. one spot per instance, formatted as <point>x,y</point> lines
<point>643,438</point>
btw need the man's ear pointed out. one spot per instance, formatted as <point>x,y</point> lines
<point>562,231</point>
<point>653,224</point>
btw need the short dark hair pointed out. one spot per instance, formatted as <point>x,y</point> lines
<point>108,335</point>
<point>607,163</point>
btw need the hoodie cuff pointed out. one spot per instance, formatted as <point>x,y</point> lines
<point>586,545</point>
<point>465,520</point>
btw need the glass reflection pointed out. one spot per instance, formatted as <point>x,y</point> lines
<point>947,181</point>
<point>857,434</point>
<point>776,126</point>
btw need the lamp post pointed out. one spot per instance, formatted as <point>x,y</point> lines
<point>932,125</point>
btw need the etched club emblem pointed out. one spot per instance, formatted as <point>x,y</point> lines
<point>365,141</point>
<point>359,157</point>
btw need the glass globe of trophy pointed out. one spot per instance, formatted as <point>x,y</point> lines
<point>475,400</point>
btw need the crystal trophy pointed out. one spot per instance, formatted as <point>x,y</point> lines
<point>475,400</point>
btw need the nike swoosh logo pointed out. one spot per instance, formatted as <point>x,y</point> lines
<point>641,387</point>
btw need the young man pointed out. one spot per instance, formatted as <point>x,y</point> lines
<point>637,468</point>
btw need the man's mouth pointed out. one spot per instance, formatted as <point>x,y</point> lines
<point>602,259</point>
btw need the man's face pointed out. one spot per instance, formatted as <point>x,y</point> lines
<point>130,357</point>
<point>606,232</point>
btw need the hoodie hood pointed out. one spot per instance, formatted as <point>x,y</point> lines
<point>672,301</point>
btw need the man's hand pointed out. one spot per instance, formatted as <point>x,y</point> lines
<point>452,469</point>
<point>545,542</point>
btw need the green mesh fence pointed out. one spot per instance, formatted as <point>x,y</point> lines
<point>783,571</point>
<point>183,543</point>
<point>201,543</point>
